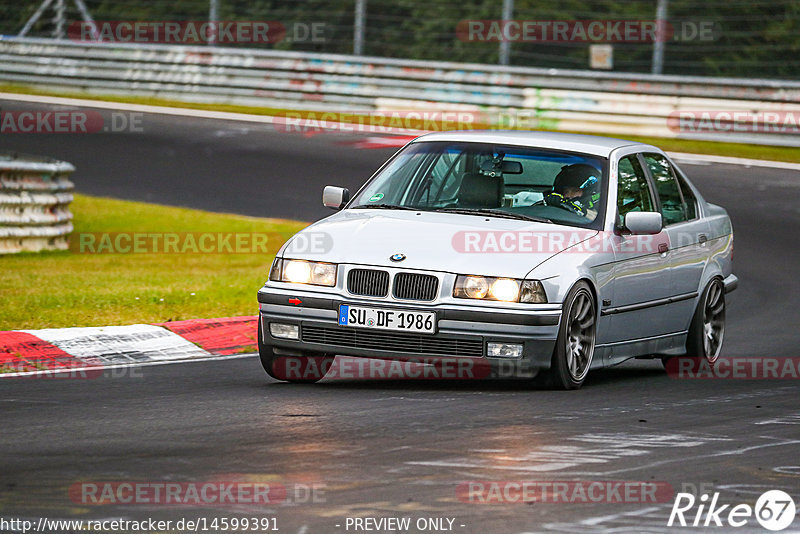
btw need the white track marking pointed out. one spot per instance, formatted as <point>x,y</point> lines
<point>793,419</point>
<point>103,345</point>
<point>599,449</point>
<point>651,465</point>
<point>651,520</point>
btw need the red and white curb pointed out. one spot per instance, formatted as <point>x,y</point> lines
<point>58,350</point>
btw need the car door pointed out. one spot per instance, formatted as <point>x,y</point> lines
<point>641,267</point>
<point>688,236</point>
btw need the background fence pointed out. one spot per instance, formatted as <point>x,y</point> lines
<point>749,38</point>
<point>588,101</point>
<point>34,203</point>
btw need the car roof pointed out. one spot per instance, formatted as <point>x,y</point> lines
<point>587,144</point>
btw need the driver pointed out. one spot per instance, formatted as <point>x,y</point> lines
<point>576,189</point>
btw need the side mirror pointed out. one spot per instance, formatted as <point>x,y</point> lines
<point>643,222</point>
<point>335,197</point>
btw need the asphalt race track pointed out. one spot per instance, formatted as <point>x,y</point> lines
<point>372,449</point>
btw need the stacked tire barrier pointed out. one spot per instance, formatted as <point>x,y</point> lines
<point>35,194</point>
<point>570,100</point>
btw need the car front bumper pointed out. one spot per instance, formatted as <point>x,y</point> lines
<point>462,331</point>
<point>731,282</point>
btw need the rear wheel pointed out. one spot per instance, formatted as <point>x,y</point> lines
<point>305,369</point>
<point>708,324</point>
<point>574,349</point>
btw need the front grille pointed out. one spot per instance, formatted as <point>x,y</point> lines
<point>404,343</point>
<point>412,286</point>
<point>368,282</point>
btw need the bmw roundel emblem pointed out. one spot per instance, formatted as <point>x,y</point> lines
<point>397,257</point>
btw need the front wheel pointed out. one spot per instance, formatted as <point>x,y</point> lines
<point>708,324</point>
<point>305,369</point>
<point>574,349</point>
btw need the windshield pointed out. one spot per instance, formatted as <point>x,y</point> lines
<point>479,178</point>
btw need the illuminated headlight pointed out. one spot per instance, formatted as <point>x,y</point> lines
<point>501,289</point>
<point>505,289</point>
<point>303,272</point>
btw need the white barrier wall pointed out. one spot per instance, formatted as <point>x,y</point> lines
<point>34,204</point>
<point>588,101</point>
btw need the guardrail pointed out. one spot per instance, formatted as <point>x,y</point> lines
<point>588,101</point>
<point>34,203</point>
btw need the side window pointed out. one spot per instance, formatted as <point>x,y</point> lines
<point>673,208</point>
<point>688,198</point>
<point>633,191</point>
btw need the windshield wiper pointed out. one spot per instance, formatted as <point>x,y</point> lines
<point>386,207</point>
<point>495,213</point>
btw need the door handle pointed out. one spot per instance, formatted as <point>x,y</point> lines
<point>702,238</point>
<point>663,248</point>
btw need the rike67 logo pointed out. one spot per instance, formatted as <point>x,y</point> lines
<point>774,510</point>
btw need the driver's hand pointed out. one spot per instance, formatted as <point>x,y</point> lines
<point>556,199</point>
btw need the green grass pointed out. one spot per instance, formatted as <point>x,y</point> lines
<point>143,100</point>
<point>740,150</point>
<point>61,289</point>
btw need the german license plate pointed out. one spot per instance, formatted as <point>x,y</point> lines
<point>385,319</point>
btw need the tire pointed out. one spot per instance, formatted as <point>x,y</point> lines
<point>306,369</point>
<point>574,350</point>
<point>707,328</point>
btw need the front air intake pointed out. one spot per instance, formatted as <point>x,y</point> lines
<point>368,282</point>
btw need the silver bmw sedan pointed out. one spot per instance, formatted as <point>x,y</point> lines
<point>550,253</point>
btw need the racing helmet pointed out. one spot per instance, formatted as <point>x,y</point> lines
<point>579,176</point>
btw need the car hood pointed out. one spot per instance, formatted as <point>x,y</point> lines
<point>433,241</point>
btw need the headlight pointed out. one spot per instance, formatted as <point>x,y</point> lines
<point>502,289</point>
<point>505,289</point>
<point>303,272</point>
<point>475,287</point>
